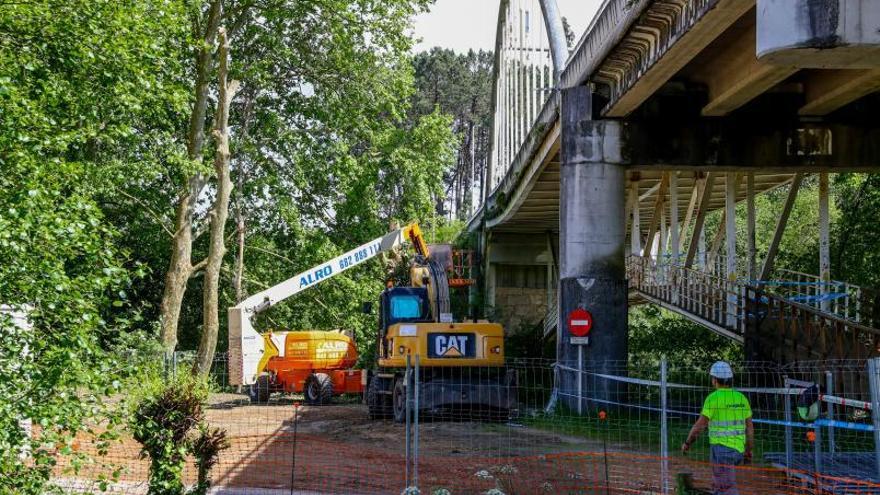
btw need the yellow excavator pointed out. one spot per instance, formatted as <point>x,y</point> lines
<point>462,363</point>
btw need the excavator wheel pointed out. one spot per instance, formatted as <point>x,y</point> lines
<point>318,389</point>
<point>260,391</point>
<point>378,403</point>
<point>399,400</point>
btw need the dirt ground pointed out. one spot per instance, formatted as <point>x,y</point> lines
<point>338,449</point>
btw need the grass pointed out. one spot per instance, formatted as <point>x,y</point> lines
<point>640,432</point>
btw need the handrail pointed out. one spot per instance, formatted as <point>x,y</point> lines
<point>786,329</point>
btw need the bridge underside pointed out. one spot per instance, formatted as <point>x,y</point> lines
<point>693,106</point>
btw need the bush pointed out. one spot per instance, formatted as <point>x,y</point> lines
<point>169,423</point>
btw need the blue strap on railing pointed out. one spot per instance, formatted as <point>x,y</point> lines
<point>823,297</point>
<point>786,283</point>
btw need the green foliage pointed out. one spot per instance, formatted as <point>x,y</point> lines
<point>855,238</point>
<point>654,332</point>
<point>527,341</point>
<point>58,258</point>
<point>168,420</point>
<point>458,85</point>
<point>82,87</point>
<point>799,249</point>
<point>447,232</point>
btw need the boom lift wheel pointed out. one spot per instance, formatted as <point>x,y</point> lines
<point>318,389</point>
<point>260,390</point>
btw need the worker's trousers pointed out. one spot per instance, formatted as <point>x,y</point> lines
<point>724,461</point>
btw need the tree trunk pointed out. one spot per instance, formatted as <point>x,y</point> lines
<point>469,188</point>
<point>219,215</point>
<point>238,269</point>
<point>238,275</point>
<point>180,269</point>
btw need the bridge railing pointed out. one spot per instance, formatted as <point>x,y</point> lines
<point>523,82</point>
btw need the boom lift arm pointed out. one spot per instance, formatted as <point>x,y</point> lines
<point>246,345</point>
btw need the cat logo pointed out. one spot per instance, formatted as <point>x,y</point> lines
<point>450,345</point>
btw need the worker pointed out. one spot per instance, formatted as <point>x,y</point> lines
<point>728,415</point>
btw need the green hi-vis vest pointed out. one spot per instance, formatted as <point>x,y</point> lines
<point>727,411</point>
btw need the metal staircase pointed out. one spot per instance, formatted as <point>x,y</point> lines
<point>780,321</point>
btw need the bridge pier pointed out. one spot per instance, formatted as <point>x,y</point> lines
<point>592,233</point>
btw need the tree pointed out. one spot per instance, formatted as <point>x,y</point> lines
<point>319,80</point>
<point>219,214</point>
<point>460,85</point>
<point>181,268</point>
<point>85,88</point>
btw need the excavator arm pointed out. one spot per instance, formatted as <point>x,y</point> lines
<point>247,347</point>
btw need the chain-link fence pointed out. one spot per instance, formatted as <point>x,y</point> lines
<point>183,361</point>
<point>535,427</point>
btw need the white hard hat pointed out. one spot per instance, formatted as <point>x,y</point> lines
<point>721,370</point>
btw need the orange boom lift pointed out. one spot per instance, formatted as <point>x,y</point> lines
<point>318,364</point>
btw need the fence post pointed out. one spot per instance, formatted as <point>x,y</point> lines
<point>829,390</point>
<point>580,380</point>
<point>788,439</point>
<point>416,427</point>
<point>817,443</point>
<point>817,448</point>
<point>406,387</point>
<point>874,384</point>
<point>664,431</point>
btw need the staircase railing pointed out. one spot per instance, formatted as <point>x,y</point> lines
<point>707,298</point>
<point>848,301</point>
<point>773,326</point>
<point>785,331</point>
<point>551,318</point>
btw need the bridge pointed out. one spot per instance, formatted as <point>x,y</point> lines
<point>608,156</point>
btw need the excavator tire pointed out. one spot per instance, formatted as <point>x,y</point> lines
<point>399,400</point>
<point>378,403</point>
<point>318,389</point>
<point>261,390</point>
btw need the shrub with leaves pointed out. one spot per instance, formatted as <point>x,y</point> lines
<point>169,423</point>
<point>81,84</point>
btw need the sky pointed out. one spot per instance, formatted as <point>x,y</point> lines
<point>464,24</point>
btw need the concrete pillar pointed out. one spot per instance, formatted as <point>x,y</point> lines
<point>636,228</point>
<point>822,34</point>
<point>674,241</point>
<point>730,237</point>
<point>824,241</point>
<point>750,230</point>
<point>592,240</point>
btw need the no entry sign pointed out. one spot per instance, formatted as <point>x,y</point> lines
<point>580,321</point>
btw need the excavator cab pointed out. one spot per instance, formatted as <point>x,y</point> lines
<point>401,305</point>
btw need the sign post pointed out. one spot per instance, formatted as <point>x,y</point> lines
<point>580,322</point>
